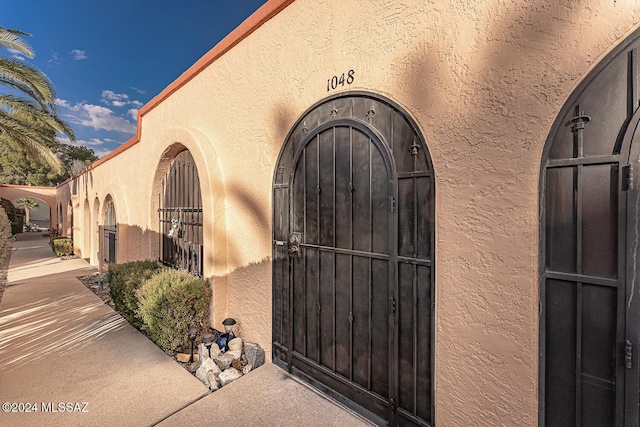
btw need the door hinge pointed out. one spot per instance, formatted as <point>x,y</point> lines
<point>393,305</point>
<point>628,355</point>
<point>627,178</point>
<point>392,201</point>
<point>393,404</point>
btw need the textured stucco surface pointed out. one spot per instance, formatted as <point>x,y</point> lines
<point>484,80</point>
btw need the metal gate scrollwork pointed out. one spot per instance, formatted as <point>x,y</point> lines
<point>180,216</point>
<point>353,272</point>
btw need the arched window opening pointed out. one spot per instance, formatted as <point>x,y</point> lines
<point>180,216</point>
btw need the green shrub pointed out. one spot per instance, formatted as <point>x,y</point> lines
<point>6,236</point>
<point>62,246</point>
<point>170,303</point>
<point>16,227</point>
<point>124,280</point>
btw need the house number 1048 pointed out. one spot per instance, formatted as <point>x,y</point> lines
<point>336,81</point>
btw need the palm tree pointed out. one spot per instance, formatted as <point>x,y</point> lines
<point>28,119</point>
<point>27,203</point>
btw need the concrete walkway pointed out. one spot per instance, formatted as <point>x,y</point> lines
<point>62,348</point>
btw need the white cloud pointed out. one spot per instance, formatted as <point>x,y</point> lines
<point>133,113</point>
<point>109,97</point>
<point>95,116</point>
<point>53,61</point>
<point>93,142</point>
<point>78,54</point>
<point>140,91</point>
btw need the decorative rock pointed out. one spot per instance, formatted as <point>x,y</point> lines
<point>228,376</point>
<point>235,345</point>
<point>236,364</point>
<point>184,358</point>
<point>246,369</point>
<point>194,366</point>
<point>224,360</point>
<point>211,381</point>
<point>203,351</point>
<point>207,366</point>
<point>254,353</point>
<point>215,350</point>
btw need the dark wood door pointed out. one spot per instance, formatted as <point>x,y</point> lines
<point>589,237</point>
<point>353,273</point>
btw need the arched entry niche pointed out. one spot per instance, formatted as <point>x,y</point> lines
<point>589,286</point>
<point>86,231</point>
<point>109,232</point>
<point>59,217</point>
<point>38,216</point>
<point>353,251</point>
<point>69,232</point>
<point>95,233</point>
<point>180,215</point>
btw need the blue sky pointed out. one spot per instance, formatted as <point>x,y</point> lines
<point>107,58</point>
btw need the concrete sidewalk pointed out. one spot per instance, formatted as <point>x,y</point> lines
<point>60,344</point>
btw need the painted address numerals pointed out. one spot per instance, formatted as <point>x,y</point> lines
<point>344,78</point>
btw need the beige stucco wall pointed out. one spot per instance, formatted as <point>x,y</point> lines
<point>484,80</point>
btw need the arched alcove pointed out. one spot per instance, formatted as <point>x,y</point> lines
<point>180,215</point>
<point>86,230</point>
<point>109,232</point>
<point>588,251</point>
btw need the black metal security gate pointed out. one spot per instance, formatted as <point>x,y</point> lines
<point>353,257</point>
<point>589,287</point>
<point>180,216</point>
<point>110,230</point>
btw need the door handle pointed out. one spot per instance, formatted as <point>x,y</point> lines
<point>294,245</point>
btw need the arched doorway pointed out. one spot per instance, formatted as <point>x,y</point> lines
<point>86,231</point>
<point>588,261</point>
<point>110,232</point>
<point>69,232</point>
<point>180,216</point>
<point>38,212</point>
<point>353,273</point>
<point>95,233</point>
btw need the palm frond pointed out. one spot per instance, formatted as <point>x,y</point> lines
<point>28,75</point>
<point>11,39</point>
<point>28,112</point>
<point>28,120</point>
<point>32,138</point>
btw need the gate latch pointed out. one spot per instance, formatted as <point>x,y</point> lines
<point>628,355</point>
<point>294,245</point>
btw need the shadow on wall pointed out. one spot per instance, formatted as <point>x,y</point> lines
<point>87,182</point>
<point>477,110</point>
<point>250,302</point>
<point>240,199</point>
<point>135,243</point>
